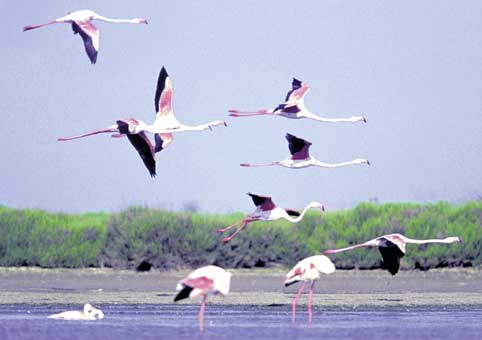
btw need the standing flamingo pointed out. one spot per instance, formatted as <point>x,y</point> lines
<point>300,157</point>
<point>392,248</point>
<point>308,269</point>
<point>266,210</point>
<point>203,281</point>
<point>294,107</point>
<point>81,24</point>
<point>162,128</point>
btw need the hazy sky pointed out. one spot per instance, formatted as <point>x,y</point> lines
<point>413,68</point>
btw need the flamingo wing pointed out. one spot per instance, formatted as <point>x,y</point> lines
<point>292,212</point>
<point>163,98</point>
<point>299,148</point>
<point>162,141</point>
<point>199,284</point>
<point>262,202</point>
<point>391,255</point>
<point>90,35</point>
<point>145,149</point>
<point>292,94</point>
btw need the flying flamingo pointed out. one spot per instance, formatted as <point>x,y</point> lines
<point>308,269</point>
<point>204,281</point>
<point>300,157</point>
<point>294,107</point>
<point>392,248</point>
<point>266,210</point>
<point>82,24</point>
<point>88,313</point>
<point>162,127</point>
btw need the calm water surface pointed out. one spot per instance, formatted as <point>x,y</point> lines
<point>240,322</point>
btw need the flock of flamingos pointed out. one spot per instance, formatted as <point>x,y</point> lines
<point>212,279</point>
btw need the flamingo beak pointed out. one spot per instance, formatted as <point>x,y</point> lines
<point>368,162</point>
<point>364,120</point>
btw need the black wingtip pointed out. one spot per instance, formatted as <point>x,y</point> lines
<point>183,294</point>
<point>163,71</point>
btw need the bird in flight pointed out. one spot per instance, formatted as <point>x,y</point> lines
<point>300,157</point>
<point>266,210</point>
<point>294,107</point>
<point>308,269</point>
<point>392,248</point>
<point>164,125</point>
<point>81,22</point>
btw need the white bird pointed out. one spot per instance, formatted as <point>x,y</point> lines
<point>266,210</point>
<point>82,24</point>
<point>294,107</point>
<point>392,248</point>
<point>300,157</point>
<point>308,269</point>
<point>163,126</point>
<point>202,282</point>
<point>88,313</point>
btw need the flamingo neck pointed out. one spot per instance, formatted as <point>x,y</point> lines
<point>333,165</point>
<point>299,218</point>
<point>415,241</point>
<point>353,119</point>
<point>129,21</point>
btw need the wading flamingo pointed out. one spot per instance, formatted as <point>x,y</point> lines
<point>162,128</point>
<point>82,24</point>
<point>308,269</point>
<point>294,107</point>
<point>392,248</point>
<point>266,210</point>
<point>89,313</point>
<point>204,281</point>
<point>300,157</point>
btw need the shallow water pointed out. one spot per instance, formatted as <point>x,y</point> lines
<point>241,322</point>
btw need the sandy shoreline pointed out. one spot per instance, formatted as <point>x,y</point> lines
<point>342,290</point>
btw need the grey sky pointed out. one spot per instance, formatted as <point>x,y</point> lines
<point>413,69</point>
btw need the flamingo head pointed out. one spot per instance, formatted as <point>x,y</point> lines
<point>361,161</point>
<point>139,21</point>
<point>452,239</point>
<point>218,122</point>
<point>318,205</point>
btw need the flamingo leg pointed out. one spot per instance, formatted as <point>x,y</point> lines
<point>295,301</point>
<point>238,113</point>
<point>310,303</point>
<point>201,313</point>
<point>229,238</point>
<point>31,27</point>
<point>230,227</point>
<point>95,132</point>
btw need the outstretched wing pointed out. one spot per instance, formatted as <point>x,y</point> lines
<point>299,148</point>
<point>163,98</point>
<point>145,149</point>
<point>262,202</point>
<point>295,85</point>
<point>90,35</point>
<point>162,141</point>
<point>292,212</point>
<point>391,255</point>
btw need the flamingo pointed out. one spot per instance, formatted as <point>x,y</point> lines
<point>82,24</point>
<point>88,313</point>
<point>294,107</point>
<point>308,269</point>
<point>163,126</point>
<point>204,281</point>
<point>392,248</point>
<point>266,210</point>
<point>300,157</point>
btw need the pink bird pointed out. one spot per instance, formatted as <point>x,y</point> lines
<point>300,157</point>
<point>308,269</point>
<point>266,210</point>
<point>162,127</point>
<point>392,248</point>
<point>81,24</point>
<point>294,107</point>
<point>202,282</point>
